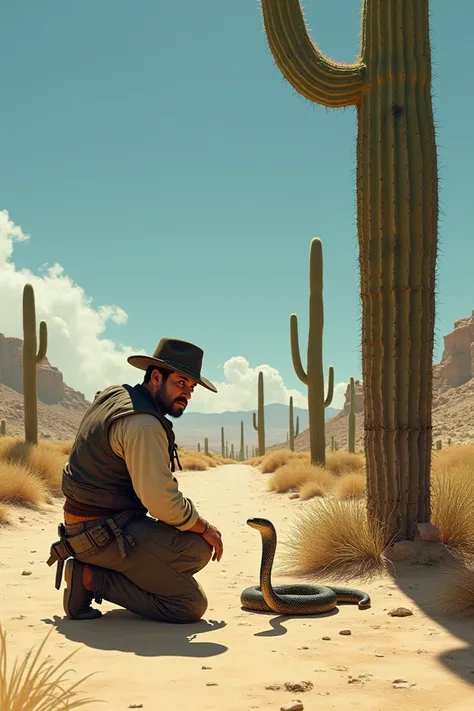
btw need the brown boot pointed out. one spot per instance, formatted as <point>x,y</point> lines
<point>77,600</point>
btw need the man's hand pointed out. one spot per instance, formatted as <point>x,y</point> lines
<point>214,538</point>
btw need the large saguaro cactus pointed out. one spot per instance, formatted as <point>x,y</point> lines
<point>260,425</point>
<point>31,358</point>
<point>397,220</point>
<point>314,377</point>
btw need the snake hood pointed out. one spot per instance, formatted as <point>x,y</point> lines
<point>261,524</point>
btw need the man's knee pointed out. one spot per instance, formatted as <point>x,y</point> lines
<point>201,550</point>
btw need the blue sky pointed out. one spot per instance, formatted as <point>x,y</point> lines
<point>154,151</point>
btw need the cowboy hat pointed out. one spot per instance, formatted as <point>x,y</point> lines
<point>173,354</point>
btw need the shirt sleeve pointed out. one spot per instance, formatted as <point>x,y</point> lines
<point>142,442</point>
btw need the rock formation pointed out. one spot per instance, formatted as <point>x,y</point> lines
<point>457,361</point>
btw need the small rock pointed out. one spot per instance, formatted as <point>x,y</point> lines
<point>401,684</point>
<point>428,532</point>
<point>298,685</point>
<point>326,639</point>
<point>26,572</point>
<point>353,680</point>
<point>273,687</point>
<point>135,706</point>
<point>400,612</point>
<point>211,683</point>
<point>345,632</point>
<point>294,496</point>
<point>203,667</point>
<point>293,706</point>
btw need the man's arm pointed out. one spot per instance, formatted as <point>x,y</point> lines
<point>142,442</point>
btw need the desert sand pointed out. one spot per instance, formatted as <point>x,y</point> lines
<point>234,659</point>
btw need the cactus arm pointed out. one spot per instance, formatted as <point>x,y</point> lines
<point>43,342</point>
<point>295,350</point>
<point>297,430</point>
<point>330,394</point>
<point>255,426</point>
<point>310,72</point>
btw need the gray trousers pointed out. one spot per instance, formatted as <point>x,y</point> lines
<point>156,579</point>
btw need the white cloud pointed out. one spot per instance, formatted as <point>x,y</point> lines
<point>239,389</point>
<point>89,361</point>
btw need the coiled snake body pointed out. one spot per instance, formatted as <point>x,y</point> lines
<point>291,599</point>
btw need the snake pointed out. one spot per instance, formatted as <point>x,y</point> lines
<point>292,599</point>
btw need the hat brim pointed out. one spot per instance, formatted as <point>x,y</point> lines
<point>143,362</point>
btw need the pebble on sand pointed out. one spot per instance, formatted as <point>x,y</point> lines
<point>292,706</point>
<point>400,612</point>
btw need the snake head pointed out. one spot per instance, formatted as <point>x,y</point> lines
<point>261,524</point>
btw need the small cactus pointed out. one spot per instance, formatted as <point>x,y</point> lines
<point>352,418</point>
<point>232,451</point>
<point>31,358</point>
<point>199,446</point>
<point>260,425</point>
<point>222,442</point>
<point>206,446</point>
<point>3,428</point>
<point>292,428</point>
<point>242,442</point>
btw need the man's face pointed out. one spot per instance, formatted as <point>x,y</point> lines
<point>172,394</point>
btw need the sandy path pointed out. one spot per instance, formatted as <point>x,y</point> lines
<point>230,661</point>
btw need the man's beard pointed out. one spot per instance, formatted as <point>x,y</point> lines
<point>167,406</point>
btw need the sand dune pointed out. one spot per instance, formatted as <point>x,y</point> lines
<point>233,659</point>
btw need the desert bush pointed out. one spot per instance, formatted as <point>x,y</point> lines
<point>4,517</point>
<point>295,474</point>
<point>39,687</point>
<point>43,460</point>
<point>351,486</point>
<point>452,506</point>
<point>275,459</point>
<point>342,462</point>
<point>454,590</point>
<point>334,538</point>
<point>20,486</point>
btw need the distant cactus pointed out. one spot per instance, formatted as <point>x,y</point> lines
<point>206,446</point>
<point>292,428</point>
<point>232,451</point>
<point>222,442</point>
<point>449,441</point>
<point>352,418</point>
<point>246,451</point>
<point>439,444</point>
<point>314,378</point>
<point>242,442</point>
<point>227,450</point>
<point>31,358</point>
<point>297,428</point>
<point>199,446</point>
<point>3,428</point>
<point>260,425</point>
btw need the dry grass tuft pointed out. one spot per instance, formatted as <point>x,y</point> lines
<point>335,538</point>
<point>276,459</point>
<point>295,474</point>
<point>452,504</point>
<point>454,592</point>
<point>342,462</point>
<point>44,460</point>
<point>4,517</point>
<point>20,486</point>
<point>320,483</point>
<point>255,461</point>
<point>39,688</point>
<point>351,486</point>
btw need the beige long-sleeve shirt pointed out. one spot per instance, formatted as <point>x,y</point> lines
<point>141,441</point>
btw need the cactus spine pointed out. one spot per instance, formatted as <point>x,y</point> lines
<point>260,425</point>
<point>352,418</point>
<point>222,442</point>
<point>313,377</point>
<point>397,220</point>
<point>31,358</point>
<point>242,441</point>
